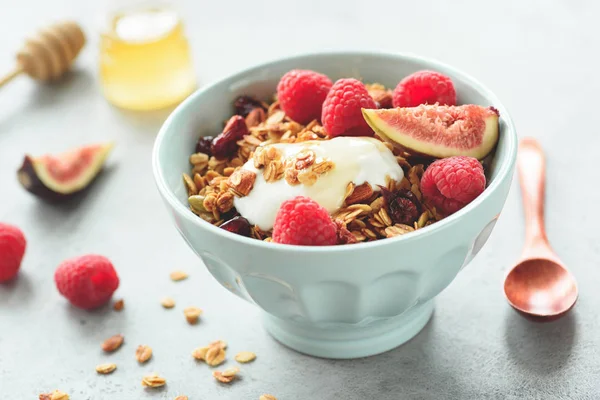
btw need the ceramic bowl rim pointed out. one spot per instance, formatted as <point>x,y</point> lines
<point>505,165</point>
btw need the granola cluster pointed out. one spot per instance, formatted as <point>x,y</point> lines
<point>366,214</point>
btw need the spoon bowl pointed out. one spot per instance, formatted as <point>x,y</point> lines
<point>540,287</point>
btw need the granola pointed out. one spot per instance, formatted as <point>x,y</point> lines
<point>366,213</point>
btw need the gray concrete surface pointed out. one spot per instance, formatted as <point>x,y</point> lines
<point>540,57</point>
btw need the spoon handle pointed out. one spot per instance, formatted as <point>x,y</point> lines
<point>532,176</point>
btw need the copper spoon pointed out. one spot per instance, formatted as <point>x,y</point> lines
<point>539,286</point>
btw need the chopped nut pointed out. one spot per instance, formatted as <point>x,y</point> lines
<point>189,185</point>
<point>215,355</point>
<point>245,356</point>
<point>360,194</point>
<point>242,182</point>
<point>226,376</point>
<point>56,395</point>
<point>143,353</point>
<point>178,276</point>
<point>112,343</point>
<point>167,302</point>
<point>153,381</point>
<point>119,304</point>
<point>105,368</point>
<point>267,397</point>
<point>192,314</point>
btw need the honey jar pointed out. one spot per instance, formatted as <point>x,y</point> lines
<point>145,60</point>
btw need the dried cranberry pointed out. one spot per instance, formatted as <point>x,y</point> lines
<point>402,205</point>
<point>239,225</point>
<point>203,145</point>
<point>244,104</point>
<point>225,145</point>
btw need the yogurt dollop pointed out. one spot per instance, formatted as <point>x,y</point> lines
<point>356,159</point>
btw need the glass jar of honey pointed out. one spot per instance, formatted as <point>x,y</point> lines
<point>145,60</point>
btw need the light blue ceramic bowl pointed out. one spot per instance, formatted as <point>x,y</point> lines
<point>340,301</point>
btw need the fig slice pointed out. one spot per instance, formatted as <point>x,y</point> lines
<point>438,131</point>
<point>57,177</point>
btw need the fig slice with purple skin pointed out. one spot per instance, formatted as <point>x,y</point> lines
<point>438,131</point>
<point>58,177</point>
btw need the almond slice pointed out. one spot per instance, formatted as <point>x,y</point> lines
<point>360,194</point>
<point>112,343</point>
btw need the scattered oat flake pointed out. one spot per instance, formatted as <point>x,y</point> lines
<point>200,353</point>
<point>226,376</point>
<point>143,353</point>
<point>112,343</point>
<point>192,314</point>
<point>105,368</point>
<point>153,381</point>
<point>119,304</point>
<point>215,355</point>
<point>178,276</point>
<point>56,395</point>
<point>267,397</point>
<point>245,356</point>
<point>167,302</point>
<point>221,343</point>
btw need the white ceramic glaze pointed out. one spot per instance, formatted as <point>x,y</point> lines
<point>339,301</point>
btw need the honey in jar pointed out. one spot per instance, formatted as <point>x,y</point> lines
<point>145,60</point>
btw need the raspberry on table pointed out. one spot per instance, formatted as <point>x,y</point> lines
<point>12,250</point>
<point>424,87</point>
<point>88,281</point>
<point>342,115</point>
<point>301,94</point>
<point>302,221</point>
<point>451,183</point>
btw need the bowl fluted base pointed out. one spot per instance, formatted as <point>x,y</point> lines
<point>350,342</point>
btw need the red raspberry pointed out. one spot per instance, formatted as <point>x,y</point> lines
<point>342,113</point>
<point>87,281</point>
<point>304,222</point>
<point>451,183</point>
<point>12,249</point>
<point>301,94</point>
<point>424,87</point>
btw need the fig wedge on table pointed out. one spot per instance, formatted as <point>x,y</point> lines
<point>438,131</point>
<point>58,177</point>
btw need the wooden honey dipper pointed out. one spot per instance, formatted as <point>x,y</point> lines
<point>49,54</point>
